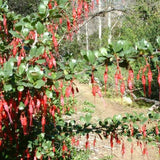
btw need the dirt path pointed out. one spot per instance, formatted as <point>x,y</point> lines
<point>107,108</point>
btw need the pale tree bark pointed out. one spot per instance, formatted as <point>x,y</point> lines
<point>100,22</point>
<point>87,42</point>
<point>109,26</point>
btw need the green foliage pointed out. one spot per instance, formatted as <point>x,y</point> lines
<point>23,7</point>
<point>142,21</point>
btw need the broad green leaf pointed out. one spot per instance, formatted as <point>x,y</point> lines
<point>20,88</point>
<point>8,67</point>
<point>135,126</point>
<point>15,34</point>
<point>33,51</point>
<point>39,84</point>
<point>40,28</point>
<point>91,57</point>
<point>158,40</point>
<point>144,120</point>
<point>22,68</point>
<point>97,54</point>
<point>40,51</point>
<point>42,8</point>
<point>49,94</point>
<point>7,87</point>
<point>25,31</point>
<point>38,154</point>
<point>45,2</point>
<point>51,154</point>
<point>103,51</point>
<point>0,2</point>
<point>144,45</point>
<point>21,106</point>
<point>88,118</point>
<point>46,37</point>
<point>117,46</point>
<point>41,61</point>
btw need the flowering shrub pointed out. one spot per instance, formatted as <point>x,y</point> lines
<point>37,88</point>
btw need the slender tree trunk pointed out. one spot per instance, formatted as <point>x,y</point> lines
<point>109,26</point>
<point>87,44</point>
<point>100,22</point>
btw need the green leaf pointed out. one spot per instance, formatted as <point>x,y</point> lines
<point>46,37</point>
<point>40,28</point>
<point>88,118</point>
<point>22,67</point>
<point>32,52</point>
<point>40,51</point>
<point>135,126</point>
<point>45,2</point>
<point>144,120</point>
<point>39,84</point>
<point>25,31</point>
<point>158,40</point>
<point>49,94</point>
<point>42,8</point>
<point>38,154</point>
<point>117,46</point>
<point>8,67</point>
<point>20,88</point>
<point>41,61</point>
<point>7,87</point>
<point>91,57</point>
<point>103,51</point>
<point>51,154</point>
<point>15,34</point>
<point>0,2</point>
<point>21,106</point>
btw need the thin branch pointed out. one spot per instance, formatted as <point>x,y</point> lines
<point>91,16</point>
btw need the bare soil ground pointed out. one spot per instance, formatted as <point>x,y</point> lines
<point>108,108</point>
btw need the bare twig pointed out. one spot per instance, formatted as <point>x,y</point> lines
<point>91,16</point>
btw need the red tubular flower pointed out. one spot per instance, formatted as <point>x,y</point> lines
<point>64,147</point>
<point>50,64</point>
<point>73,141</point>
<point>144,83</point>
<point>87,144</point>
<point>19,60</point>
<point>97,2</point>
<point>157,130</point>
<point>43,122</point>
<point>149,82</point>
<point>123,149</point>
<point>23,120</point>
<point>144,130</point>
<point>94,90</point>
<point>68,91</point>
<point>131,130</point>
<point>68,25</point>
<point>60,21</point>
<point>122,88</point>
<point>30,112</point>
<point>5,105</point>
<point>62,100</point>
<point>111,141</point>
<point>45,104</point>
<point>116,81</point>
<point>94,142</point>
<point>130,85</point>
<point>5,24</point>
<point>50,4</point>
<point>55,43</point>
<point>132,148</point>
